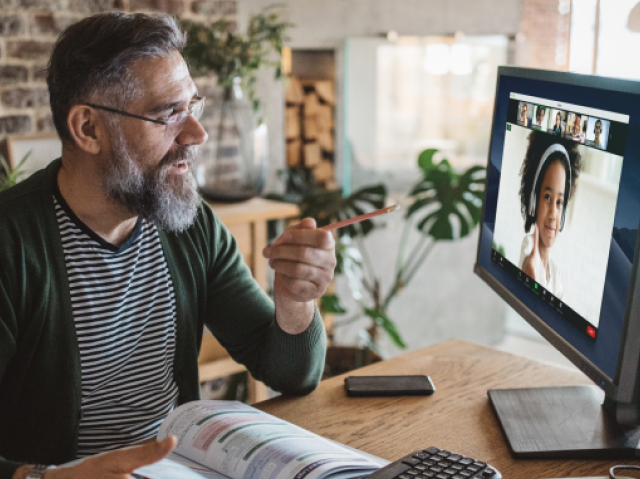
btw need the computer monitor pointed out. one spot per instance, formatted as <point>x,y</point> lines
<point>558,242</point>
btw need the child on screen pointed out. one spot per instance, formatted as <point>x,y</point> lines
<point>548,180</point>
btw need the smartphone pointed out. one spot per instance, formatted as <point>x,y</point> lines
<point>389,385</point>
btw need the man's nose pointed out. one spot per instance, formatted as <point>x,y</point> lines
<point>192,134</point>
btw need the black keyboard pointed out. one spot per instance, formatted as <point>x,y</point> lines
<point>434,463</point>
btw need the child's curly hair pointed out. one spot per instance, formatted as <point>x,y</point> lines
<point>538,144</point>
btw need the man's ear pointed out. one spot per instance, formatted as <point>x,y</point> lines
<point>85,128</point>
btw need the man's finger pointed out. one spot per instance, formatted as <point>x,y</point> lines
<point>128,460</point>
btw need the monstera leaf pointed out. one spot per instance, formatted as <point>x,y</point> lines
<point>381,319</point>
<point>329,206</point>
<point>450,202</point>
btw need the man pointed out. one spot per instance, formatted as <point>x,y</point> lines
<point>111,264</point>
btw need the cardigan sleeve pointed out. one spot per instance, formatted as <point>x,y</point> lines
<point>242,317</point>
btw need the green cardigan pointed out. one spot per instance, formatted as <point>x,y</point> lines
<point>39,357</point>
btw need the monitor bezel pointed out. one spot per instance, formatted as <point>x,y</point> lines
<point>625,386</point>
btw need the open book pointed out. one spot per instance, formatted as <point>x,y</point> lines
<point>229,439</point>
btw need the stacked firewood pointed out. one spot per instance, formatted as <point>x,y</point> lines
<point>310,128</point>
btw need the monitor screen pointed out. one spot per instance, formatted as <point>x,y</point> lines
<point>562,206</point>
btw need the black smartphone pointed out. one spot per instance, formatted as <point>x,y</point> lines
<point>419,385</point>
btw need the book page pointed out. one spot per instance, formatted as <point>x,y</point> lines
<point>242,442</point>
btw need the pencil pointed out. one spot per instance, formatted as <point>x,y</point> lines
<point>358,219</point>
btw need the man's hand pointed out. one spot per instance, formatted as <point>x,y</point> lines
<point>303,259</point>
<point>112,465</point>
<point>529,262</point>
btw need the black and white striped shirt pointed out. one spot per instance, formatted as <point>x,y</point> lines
<point>124,310</point>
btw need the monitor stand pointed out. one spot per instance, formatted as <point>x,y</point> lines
<point>562,422</point>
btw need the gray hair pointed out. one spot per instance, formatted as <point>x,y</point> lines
<point>93,58</point>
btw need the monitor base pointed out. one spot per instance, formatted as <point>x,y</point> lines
<point>562,422</point>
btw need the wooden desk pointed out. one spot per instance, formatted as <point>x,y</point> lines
<point>247,222</point>
<point>457,417</point>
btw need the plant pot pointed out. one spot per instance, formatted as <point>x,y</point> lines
<point>232,165</point>
<point>342,359</point>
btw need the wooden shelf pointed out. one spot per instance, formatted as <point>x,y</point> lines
<point>247,222</point>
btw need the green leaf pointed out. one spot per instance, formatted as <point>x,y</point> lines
<point>330,303</point>
<point>425,159</point>
<point>381,319</point>
<point>12,176</point>
<point>449,202</point>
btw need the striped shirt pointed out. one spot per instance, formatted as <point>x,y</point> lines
<point>124,310</point>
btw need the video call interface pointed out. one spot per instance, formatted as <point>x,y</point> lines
<point>557,199</point>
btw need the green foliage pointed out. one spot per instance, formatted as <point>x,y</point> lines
<point>450,202</point>
<point>380,318</point>
<point>329,206</point>
<point>330,303</point>
<point>11,176</point>
<point>215,48</point>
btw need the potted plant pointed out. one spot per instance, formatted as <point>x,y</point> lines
<point>234,168</point>
<point>443,205</point>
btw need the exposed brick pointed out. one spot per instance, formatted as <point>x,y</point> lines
<point>30,50</point>
<point>50,24</point>
<point>217,7</point>
<point>39,72</point>
<point>24,98</point>
<point>45,5</point>
<point>168,6</point>
<point>45,123</point>
<point>12,25</point>
<point>94,6</point>
<point>14,124</point>
<point>10,74</point>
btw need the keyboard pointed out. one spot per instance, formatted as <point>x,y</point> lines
<point>434,463</point>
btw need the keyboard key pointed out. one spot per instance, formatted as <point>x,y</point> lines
<point>450,471</point>
<point>420,467</point>
<point>444,453</point>
<point>413,472</point>
<point>432,450</point>
<point>457,467</point>
<point>479,464</point>
<point>442,476</point>
<point>466,461</point>
<point>488,472</point>
<point>404,476</point>
<point>412,461</point>
<point>435,469</point>
<point>429,474</point>
<point>420,476</point>
<point>444,464</point>
<point>466,473</point>
<point>420,455</point>
<point>454,457</point>
<point>457,476</point>
<point>429,462</point>
<point>473,468</point>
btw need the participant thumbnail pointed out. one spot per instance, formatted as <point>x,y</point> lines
<point>525,113</point>
<point>555,213</point>
<point>576,127</point>
<point>597,133</point>
<point>540,117</point>
<point>557,122</point>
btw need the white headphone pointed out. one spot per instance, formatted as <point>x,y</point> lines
<point>556,147</point>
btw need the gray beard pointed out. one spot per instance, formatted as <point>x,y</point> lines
<point>169,201</point>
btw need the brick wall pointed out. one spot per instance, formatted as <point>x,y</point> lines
<point>543,41</point>
<point>28,30</point>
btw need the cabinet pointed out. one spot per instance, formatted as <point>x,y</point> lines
<point>247,221</point>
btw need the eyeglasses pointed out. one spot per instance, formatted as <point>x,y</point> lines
<point>174,122</point>
<point>614,469</point>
